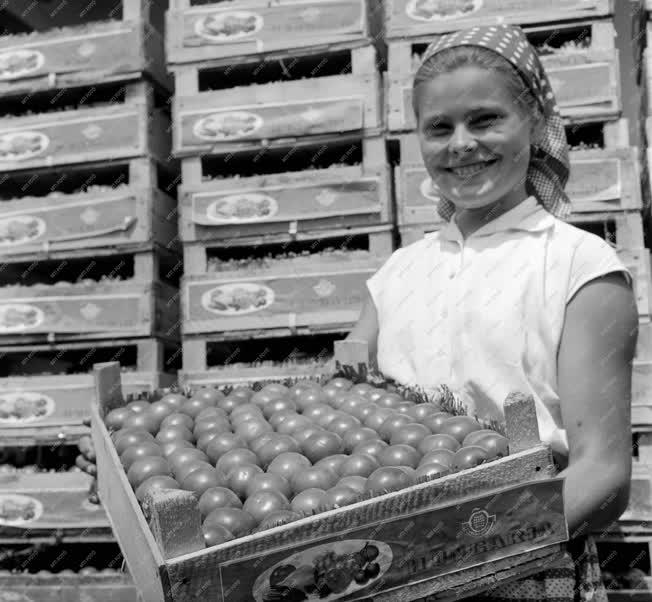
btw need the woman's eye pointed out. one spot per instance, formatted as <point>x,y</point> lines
<point>484,121</point>
<point>437,129</point>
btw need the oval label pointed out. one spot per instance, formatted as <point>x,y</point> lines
<point>13,596</point>
<point>429,190</point>
<point>20,229</point>
<point>16,317</point>
<point>20,407</point>
<point>441,10</point>
<point>302,570</point>
<point>17,510</point>
<point>18,63</point>
<point>18,146</point>
<point>229,125</point>
<point>237,298</point>
<point>227,26</point>
<point>244,208</point>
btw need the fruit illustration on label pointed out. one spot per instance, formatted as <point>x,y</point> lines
<point>229,125</point>
<point>439,10</point>
<point>326,198</point>
<point>228,26</point>
<point>238,298</point>
<point>18,146</point>
<point>480,523</point>
<point>17,510</point>
<point>324,288</point>
<point>242,208</point>
<point>90,311</point>
<point>17,63</point>
<point>15,317</point>
<point>20,229</point>
<point>24,406</point>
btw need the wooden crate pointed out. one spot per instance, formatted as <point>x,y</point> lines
<point>104,48</point>
<point>586,81</point>
<point>136,215</point>
<point>640,498</point>
<point>277,112</point>
<point>297,201</point>
<point>405,18</point>
<point>115,131</point>
<point>58,503</point>
<point>67,397</point>
<point>111,586</point>
<point>283,26</point>
<point>174,565</point>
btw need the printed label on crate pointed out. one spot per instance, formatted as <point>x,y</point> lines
<point>19,63</point>
<point>228,26</point>
<point>17,510</point>
<point>595,180</point>
<point>245,208</point>
<point>14,596</point>
<point>24,407</point>
<point>237,298</point>
<point>21,229</point>
<point>437,10</point>
<point>422,545</point>
<point>591,84</point>
<point>18,146</point>
<point>18,317</point>
<point>229,125</point>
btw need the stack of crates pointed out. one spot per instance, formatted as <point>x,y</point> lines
<point>284,199</point>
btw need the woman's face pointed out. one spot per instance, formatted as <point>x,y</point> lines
<point>474,139</point>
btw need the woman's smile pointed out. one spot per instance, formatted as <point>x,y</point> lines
<point>470,170</point>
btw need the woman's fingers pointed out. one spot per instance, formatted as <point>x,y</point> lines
<point>87,448</point>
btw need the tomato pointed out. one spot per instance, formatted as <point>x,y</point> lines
<point>357,435</point>
<point>375,394</point>
<point>235,457</point>
<point>178,419</point>
<point>214,535</point>
<point>278,518</point>
<point>327,417</point>
<point>279,417</point>
<point>161,409</point>
<point>332,462</point>
<point>211,413</point>
<point>138,406</point>
<point>292,424</point>
<point>277,405</point>
<point>315,476</point>
<point>474,436</point>
<point>342,424</point>
<point>262,503</point>
<point>411,433</point>
<point>309,398</point>
<point>175,400</point>
<point>361,465</point>
<point>356,483</point>
<point>411,472</point>
<point>389,400</point>
<point>269,481</point>
<point>223,443</point>
<point>218,425</point>
<point>205,438</point>
<point>246,411</point>
<point>288,464</point>
<point>217,497</point>
<point>441,441</point>
<point>350,403</point>
<point>387,478</point>
<point>145,467</point>
<point>438,456</point>
<point>276,388</point>
<point>171,446</point>
<point>182,471</point>
<point>154,484</point>
<point>316,410</point>
<point>495,445</point>
<point>279,445</point>
<point>115,418</point>
<point>399,455</point>
<point>208,394</point>
<point>318,446</point>
<point>329,392</point>
<point>236,520</point>
<point>229,403</point>
<point>124,439</point>
<point>252,429</point>
<point>239,477</point>
<point>340,495</point>
<point>183,456</point>
<point>143,420</point>
<point>170,433</point>
<point>460,426</point>
<point>431,471</point>
<point>371,447</point>
<point>193,407</point>
<point>405,407</point>
<point>340,383</point>
<point>363,410</point>
<point>391,424</point>
<point>338,400</point>
<point>262,398</point>
<point>303,434</point>
<point>362,389</point>
<point>376,419</point>
<point>435,421</point>
<point>202,479</point>
<point>139,450</point>
<point>309,501</point>
<point>420,411</point>
<point>468,457</point>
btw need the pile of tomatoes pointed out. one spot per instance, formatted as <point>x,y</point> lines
<point>260,459</point>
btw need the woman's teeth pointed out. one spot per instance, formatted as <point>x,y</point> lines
<point>469,170</point>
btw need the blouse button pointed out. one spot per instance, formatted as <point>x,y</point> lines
<point>451,275</point>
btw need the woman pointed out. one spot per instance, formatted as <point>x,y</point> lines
<point>507,296</point>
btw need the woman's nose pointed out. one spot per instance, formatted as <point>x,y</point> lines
<point>462,141</point>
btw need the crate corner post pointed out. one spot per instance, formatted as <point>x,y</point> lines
<point>108,386</point>
<point>521,422</point>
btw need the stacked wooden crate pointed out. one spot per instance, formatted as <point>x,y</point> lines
<point>285,188</point>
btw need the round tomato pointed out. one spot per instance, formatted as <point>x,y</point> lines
<point>262,398</point>
<point>115,418</point>
<point>277,519</point>
<point>340,495</point>
<point>361,465</point>
<point>399,455</point>
<point>241,393</point>
<point>389,400</point>
<point>139,450</point>
<point>329,392</point>
<point>303,434</point>
<point>124,439</point>
<point>372,447</point>
<point>183,456</point>
<point>342,424</point>
<point>316,410</point>
<point>138,406</point>
<point>362,411</point>
<point>340,383</point>
<point>391,424</point>
<point>460,426</point>
<point>170,433</point>
<point>429,472</point>
<point>236,520</point>
<point>362,389</point>
<point>356,483</point>
<point>268,481</point>
<point>441,441</point>
<point>339,399</point>
<point>217,497</point>
<point>143,420</point>
<point>223,443</point>
<point>202,479</point>
<point>160,409</point>
<point>155,483</point>
<point>308,398</point>
<point>229,403</point>
<point>172,446</point>
<point>252,429</point>
<point>309,501</point>
<point>468,457</point>
<point>405,407</point>
<point>262,503</point>
<point>279,418</point>
<point>293,424</point>
<point>375,420</point>
<point>236,457</point>
<point>214,535</point>
<point>257,444</point>
<point>205,438</point>
<point>435,421</point>
<point>411,433</point>
<point>318,446</point>
<point>438,456</point>
<point>288,464</point>
<point>279,445</point>
<point>217,425</point>
<point>212,413</point>
<point>175,400</point>
<point>145,467</point>
<point>420,411</point>
<point>277,405</point>
<point>276,388</point>
<point>375,394</point>
<point>357,435</point>
<point>387,478</point>
<point>178,419</point>
<point>239,478</point>
<point>327,417</point>
<point>181,472</point>
<point>495,445</point>
<point>315,476</point>
<point>474,436</point>
<point>193,407</point>
<point>246,411</point>
<point>350,403</point>
<point>208,394</point>
<point>332,462</point>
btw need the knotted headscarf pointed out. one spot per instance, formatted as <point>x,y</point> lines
<point>549,164</point>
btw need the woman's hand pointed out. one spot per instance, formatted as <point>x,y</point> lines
<point>595,381</point>
<point>86,461</point>
<point>366,328</point>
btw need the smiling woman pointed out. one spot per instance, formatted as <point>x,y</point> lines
<point>507,296</point>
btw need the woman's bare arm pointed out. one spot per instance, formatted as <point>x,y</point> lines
<point>594,380</point>
<point>366,328</point>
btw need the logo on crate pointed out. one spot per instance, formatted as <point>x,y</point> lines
<point>326,198</point>
<point>20,229</point>
<point>229,125</point>
<point>13,596</point>
<point>429,190</point>
<point>17,510</point>
<point>440,10</point>
<point>239,298</point>
<point>244,208</point>
<point>16,317</point>
<point>324,288</point>
<point>229,25</point>
<point>90,311</point>
<point>18,146</point>
<point>479,523</point>
<point>20,407</point>
<point>18,63</point>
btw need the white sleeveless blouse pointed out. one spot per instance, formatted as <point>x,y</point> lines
<point>484,316</point>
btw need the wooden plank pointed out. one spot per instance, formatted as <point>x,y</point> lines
<point>405,18</point>
<point>640,498</point>
<point>193,33</point>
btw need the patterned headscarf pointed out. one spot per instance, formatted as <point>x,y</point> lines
<point>549,165</point>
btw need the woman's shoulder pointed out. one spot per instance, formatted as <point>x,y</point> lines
<point>569,238</point>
